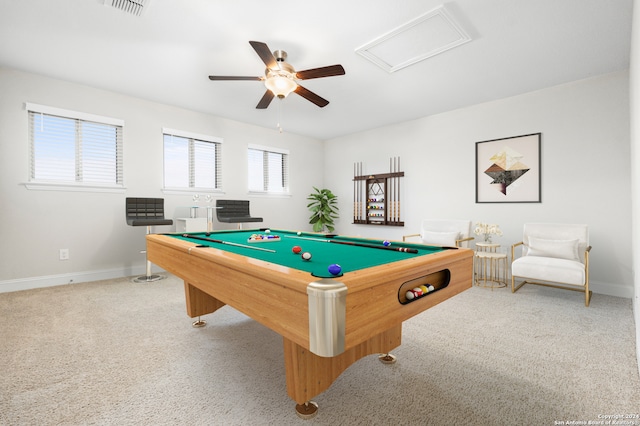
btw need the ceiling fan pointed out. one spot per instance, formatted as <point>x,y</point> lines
<point>281,78</point>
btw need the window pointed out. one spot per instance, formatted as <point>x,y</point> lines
<point>268,170</point>
<point>69,148</point>
<point>191,161</point>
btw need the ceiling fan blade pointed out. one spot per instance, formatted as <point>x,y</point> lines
<point>329,71</point>
<point>227,77</point>
<point>266,100</point>
<point>265,54</point>
<point>310,96</point>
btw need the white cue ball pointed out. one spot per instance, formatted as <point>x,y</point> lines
<point>267,231</point>
<point>299,233</point>
<point>409,295</point>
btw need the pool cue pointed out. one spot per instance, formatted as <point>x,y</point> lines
<point>392,197</point>
<point>356,215</point>
<point>395,192</point>
<point>357,193</point>
<point>388,196</point>
<point>364,195</point>
<point>392,191</point>
<point>211,240</point>
<point>350,243</point>
<point>398,192</point>
<point>360,192</point>
<point>359,198</point>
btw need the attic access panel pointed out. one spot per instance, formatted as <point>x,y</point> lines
<point>426,36</point>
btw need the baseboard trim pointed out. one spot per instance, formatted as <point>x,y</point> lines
<point>20,284</point>
<point>636,313</point>
<point>610,289</point>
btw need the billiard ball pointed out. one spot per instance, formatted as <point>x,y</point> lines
<point>335,269</point>
<point>296,249</point>
<point>409,295</point>
<point>386,243</point>
<point>306,256</point>
<point>417,291</point>
<point>299,233</point>
<point>424,289</point>
<point>431,288</point>
<point>266,231</point>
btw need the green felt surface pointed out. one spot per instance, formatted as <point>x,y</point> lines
<point>350,258</point>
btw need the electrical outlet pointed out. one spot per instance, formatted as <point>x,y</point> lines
<point>64,254</point>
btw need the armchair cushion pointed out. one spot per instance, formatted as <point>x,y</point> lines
<point>447,239</point>
<point>561,249</point>
<point>549,269</point>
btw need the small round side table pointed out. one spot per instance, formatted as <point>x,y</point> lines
<point>490,269</point>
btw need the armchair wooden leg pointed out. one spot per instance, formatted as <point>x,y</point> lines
<point>513,284</point>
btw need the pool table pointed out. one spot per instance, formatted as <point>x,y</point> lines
<point>328,321</point>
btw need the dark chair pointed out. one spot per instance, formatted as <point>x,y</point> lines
<point>234,211</point>
<point>146,212</point>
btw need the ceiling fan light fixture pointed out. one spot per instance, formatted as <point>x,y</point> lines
<point>281,78</point>
<point>280,84</point>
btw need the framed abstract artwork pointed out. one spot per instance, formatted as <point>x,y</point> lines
<point>508,170</point>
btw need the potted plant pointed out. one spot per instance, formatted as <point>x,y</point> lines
<point>324,209</point>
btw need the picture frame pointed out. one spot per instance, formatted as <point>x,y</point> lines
<point>508,170</point>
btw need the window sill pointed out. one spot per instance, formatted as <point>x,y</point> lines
<point>269,194</point>
<point>191,191</point>
<point>71,187</point>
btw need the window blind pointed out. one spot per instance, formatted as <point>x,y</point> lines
<point>68,150</point>
<point>191,163</point>
<point>268,170</point>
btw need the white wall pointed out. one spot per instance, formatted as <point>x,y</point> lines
<point>34,225</point>
<point>585,175</point>
<point>585,169</point>
<point>635,163</point>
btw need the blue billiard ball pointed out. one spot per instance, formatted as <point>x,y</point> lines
<point>386,243</point>
<point>335,269</point>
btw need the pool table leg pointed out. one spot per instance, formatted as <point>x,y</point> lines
<point>308,374</point>
<point>308,410</point>
<point>199,303</point>
<point>387,358</point>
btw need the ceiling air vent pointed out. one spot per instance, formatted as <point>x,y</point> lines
<point>134,7</point>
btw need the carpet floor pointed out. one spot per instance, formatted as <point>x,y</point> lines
<point>119,353</point>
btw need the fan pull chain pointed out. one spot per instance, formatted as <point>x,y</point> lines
<point>279,115</point>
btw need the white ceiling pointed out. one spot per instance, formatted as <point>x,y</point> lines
<point>167,54</point>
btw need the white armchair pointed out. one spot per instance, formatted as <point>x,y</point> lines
<point>446,233</point>
<point>553,255</point>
